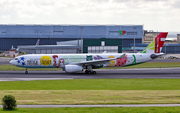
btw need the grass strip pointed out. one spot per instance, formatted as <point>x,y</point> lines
<point>97,110</point>
<point>154,65</point>
<point>65,97</point>
<point>93,84</point>
<point>15,68</point>
<point>143,65</point>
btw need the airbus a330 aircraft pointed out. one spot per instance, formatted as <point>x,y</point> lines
<point>71,63</point>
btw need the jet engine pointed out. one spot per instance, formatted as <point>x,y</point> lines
<point>73,68</point>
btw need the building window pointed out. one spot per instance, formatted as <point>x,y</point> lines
<point>102,43</point>
<point>101,49</point>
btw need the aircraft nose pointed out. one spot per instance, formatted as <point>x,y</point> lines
<point>10,62</point>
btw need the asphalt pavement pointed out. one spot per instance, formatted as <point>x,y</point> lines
<point>5,60</point>
<point>101,73</point>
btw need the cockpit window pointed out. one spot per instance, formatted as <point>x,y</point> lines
<point>16,59</point>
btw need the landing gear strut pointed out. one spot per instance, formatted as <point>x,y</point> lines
<point>26,72</point>
<point>89,70</point>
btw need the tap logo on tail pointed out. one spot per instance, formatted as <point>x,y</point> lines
<point>156,45</point>
<point>159,42</point>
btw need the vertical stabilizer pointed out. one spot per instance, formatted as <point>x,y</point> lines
<point>37,43</point>
<point>156,45</point>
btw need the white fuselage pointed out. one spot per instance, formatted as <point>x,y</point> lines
<point>60,60</point>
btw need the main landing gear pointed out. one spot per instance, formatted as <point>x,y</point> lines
<point>26,72</point>
<point>89,70</point>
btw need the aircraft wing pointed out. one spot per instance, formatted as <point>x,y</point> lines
<point>98,62</point>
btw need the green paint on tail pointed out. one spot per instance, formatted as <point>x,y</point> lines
<point>151,46</point>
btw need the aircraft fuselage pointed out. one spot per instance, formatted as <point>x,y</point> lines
<point>60,60</point>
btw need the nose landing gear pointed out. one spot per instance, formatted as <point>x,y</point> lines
<point>26,72</point>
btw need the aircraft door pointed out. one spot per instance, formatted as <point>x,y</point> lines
<point>139,58</point>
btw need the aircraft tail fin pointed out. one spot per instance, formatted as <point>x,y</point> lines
<point>37,43</point>
<point>156,45</point>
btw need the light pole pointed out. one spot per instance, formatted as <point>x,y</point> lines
<point>165,47</point>
<point>134,38</point>
<point>81,40</point>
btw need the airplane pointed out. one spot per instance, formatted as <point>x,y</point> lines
<point>37,43</point>
<point>71,63</point>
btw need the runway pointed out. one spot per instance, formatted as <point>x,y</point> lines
<point>5,60</point>
<point>101,73</point>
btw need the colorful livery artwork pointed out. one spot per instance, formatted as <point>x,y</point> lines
<point>78,62</point>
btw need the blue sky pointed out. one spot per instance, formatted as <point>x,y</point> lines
<point>157,15</point>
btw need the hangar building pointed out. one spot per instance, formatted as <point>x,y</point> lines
<point>17,35</point>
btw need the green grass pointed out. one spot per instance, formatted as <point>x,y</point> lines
<point>97,110</point>
<point>15,68</point>
<point>93,91</point>
<point>93,84</point>
<point>143,65</point>
<point>48,97</point>
<point>154,65</point>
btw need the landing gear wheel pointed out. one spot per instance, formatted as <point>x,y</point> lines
<point>90,72</point>
<point>94,72</point>
<point>86,71</point>
<point>26,72</point>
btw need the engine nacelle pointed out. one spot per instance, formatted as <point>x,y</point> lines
<point>73,68</point>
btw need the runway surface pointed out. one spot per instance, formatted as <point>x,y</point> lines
<point>5,60</point>
<point>110,105</point>
<point>101,73</point>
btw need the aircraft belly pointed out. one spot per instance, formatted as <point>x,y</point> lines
<point>36,66</point>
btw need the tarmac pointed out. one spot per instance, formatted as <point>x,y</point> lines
<point>101,73</point>
<point>5,60</point>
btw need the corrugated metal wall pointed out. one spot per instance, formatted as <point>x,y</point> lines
<point>70,31</point>
<point>127,42</point>
<point>171,49</point>
<point>6,43</point>
<point>48,34</point>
